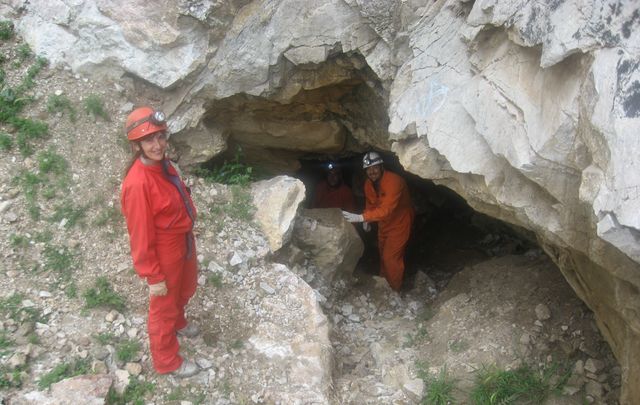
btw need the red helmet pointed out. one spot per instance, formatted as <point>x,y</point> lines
<point>144,121</point>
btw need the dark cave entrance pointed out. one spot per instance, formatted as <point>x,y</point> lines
<point>447,234</point>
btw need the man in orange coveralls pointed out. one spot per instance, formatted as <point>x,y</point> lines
<point>160,216</point>
<point>331,192</point>
<point>387,202</point>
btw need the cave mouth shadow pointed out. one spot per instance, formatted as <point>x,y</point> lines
<point>447,235</point>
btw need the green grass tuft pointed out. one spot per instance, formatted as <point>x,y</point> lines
<point>127,350</point>
<point>6,30</point>
<point>232,172</point>
<point>521,385</point>
<point>102,295</point>
<point>61,104</point>
<point>94,106</point>
<point>61,261</point>
<point>6,142</point>
<point>62,371</point>
<point>133,394</point>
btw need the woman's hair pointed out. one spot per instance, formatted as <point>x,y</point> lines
<point>136,155</point>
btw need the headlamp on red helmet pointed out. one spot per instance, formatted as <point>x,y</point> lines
<point>135,126</point>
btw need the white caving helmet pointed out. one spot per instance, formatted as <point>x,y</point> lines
<point>371,159</point>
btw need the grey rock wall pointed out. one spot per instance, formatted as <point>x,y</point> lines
<point>529,110</point>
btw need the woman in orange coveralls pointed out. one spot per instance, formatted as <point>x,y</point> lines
<point>387,202</point>
<point>160,217</point>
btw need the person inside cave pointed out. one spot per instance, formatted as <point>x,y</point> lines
<point>332,192</point>
<point>387,202</point>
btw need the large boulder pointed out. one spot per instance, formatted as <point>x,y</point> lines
<point>277,201</point>
<point>332,244</point>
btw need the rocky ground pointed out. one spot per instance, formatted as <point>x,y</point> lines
<point>261,339</point>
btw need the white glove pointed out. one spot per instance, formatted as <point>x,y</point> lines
<point>158,289</point>
<point>352,217</point>
<point>366,226</point>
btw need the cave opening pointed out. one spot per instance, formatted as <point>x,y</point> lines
<point>447,233</point>
<point>336,111</point>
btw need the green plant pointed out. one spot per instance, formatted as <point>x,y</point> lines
<point>102,295</point>
<point>67,211</point>
<point>6,30</point>
<point>215,279</point>
<point>71,290</point>
<point>439,388</point>
<point>10,378</point>
<point>33,338</point>
<point>229,172</point>
<point>421,335</point>
<point>61,104</point>
<point>237,344</point>
<point>28,130</point>
<point>5,343</point>
<point>458,346</point>
<point>30,184</point>
<point>59,260</point>
<point>127,350</point>
<point>51,162</point>
<point>6,142</point>
<point>18,240</point>
<point>108,215</point>
<point>521,385</point>
<point>104,338</point>
<point>94,106</point>
<point>11,307</point>
<point>64,370</point>
<point>133,394</point>
<point>240,206</point>
<point>24,52</point>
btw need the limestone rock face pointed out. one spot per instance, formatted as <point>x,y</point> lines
<point>276,201</point>
<point>528,110</point>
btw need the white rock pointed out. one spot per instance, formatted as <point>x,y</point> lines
<point>542,312</point>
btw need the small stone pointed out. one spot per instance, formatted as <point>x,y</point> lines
<point>133,368</point>
<point>525,339</point>
<point>58,92</point>
<point>28,304</point>
<point>122,380</point>
<point>542,312</point>
<point>100,352</point>
<point>594,389</point>
<point>25,329</point>
<point>98,367</point>
<point>11,217</point>
<point>4,205</point>
<point>44,294</point>
<point>267,288</point>
<point>132,333</point>
<point>17,360</point>
<point>414,389</point>
<point>235,259</point>
<point>204,363</point>
<point>593,365</point>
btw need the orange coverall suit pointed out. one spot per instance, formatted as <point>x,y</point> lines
<point>333,197</point>
<point>159,225</point>
<point>391,207</point>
